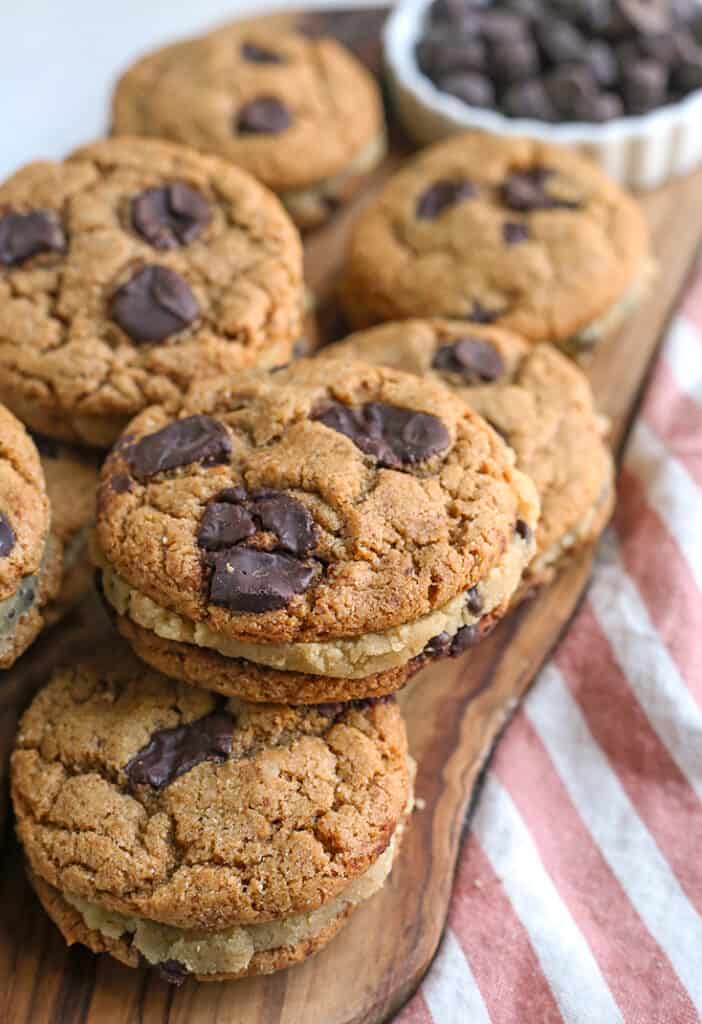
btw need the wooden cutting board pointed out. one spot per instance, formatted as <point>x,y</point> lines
<point>455,712</point>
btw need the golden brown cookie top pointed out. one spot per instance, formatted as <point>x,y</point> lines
<point>153,798</point>
<point>537,400</point>
<point>306,505</point>
<point>289,109</point>
<point>24,506</point>
<point>129,269</point>
<point>529,236</point>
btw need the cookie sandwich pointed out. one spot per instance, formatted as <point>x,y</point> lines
<point>202,837</point>
<point>310,536</point>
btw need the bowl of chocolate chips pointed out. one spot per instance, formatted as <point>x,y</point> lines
<point>621,79</point>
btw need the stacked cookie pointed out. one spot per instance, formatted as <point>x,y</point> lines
<point>283,545</point>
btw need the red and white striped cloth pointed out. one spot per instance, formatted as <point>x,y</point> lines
<point>578,896</point>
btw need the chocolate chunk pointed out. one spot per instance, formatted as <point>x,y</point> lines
<point>442,195</point>
<point>247,580</point>
<point>522,529</point>
<point>475,90</point>
<point>474,601</point>
<point>644,84</point>
<point>193,439</point>
<point>287,518</point>
<point>394,436</point>
<point>264,116</point>
<point>256,54</point>
<point>235,516</point>
<point>173,752</point>
<point>170,215</point>
<point>120,483</point>
<point>7,536</point>
<point>23,235</point>
<point>173,971</point>
<point>224,525</point>
<point>514,233</point>
<point>526,190</point>
<point>439,646</point>
<point>480,314</point>
<point>529,99</point>
<point>153,304</point>
<point>474,358</point>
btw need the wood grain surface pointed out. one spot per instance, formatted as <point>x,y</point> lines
<point>455,711</point>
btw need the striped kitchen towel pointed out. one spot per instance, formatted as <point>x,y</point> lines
<point>578,895</point>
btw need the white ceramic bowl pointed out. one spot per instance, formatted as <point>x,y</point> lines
<point>641,152</point>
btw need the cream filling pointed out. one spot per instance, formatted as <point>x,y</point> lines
<point>13,608</point>
<point>231,950</point>
<point>352,658</point>
<point>298,200</point>
<point>615,315</point>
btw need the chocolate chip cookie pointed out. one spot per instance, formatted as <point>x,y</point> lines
<point>71,476</point>
<point>301,114</point>
<point>130,269</point>
<point>308,536</point>
<point>535,398</point>
<point>515,232</point>
<point>30,556</point>
<point>204,837</point>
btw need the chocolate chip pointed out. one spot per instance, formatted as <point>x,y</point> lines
<point>256,54</point>
<point>23,235</point>
<point>514,233</point>
<point>230,519</point>
<point>224,525</point>
<point>441,54</point>
<point>7,536</point>
<point>170,215</point>
<point>645,83</point>
<point>467,636</point>
<point>264,116</point>
<point>473,89</point>
<point>474,358</point>
<point>569,87</point>
<point>560,40</point>
<point>173,752</point>
<point>120,483</point>
<point>529,99</point>
<point>515,60</point>
<point>480,314</point>
<point>442,195</point>
<point>601,60</point>
<point>248,580</point>
<point>444,645</point>
<point>193,439</point>
<point>394,436</point>
<point>474,601</point>
<point>603,106</point>
<point>522,529</point>
<point>526,190</point>
<point>173,971</point>
<point>687,74</point>
<point>647,16</point>
<point>502,26</point>
<point>153,304</point>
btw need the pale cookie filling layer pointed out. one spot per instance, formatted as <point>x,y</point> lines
<point>297,200</point>
<point>13,608</point>
<point>232,949</point>
<point>353,658</point>
<point>615,315</point>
